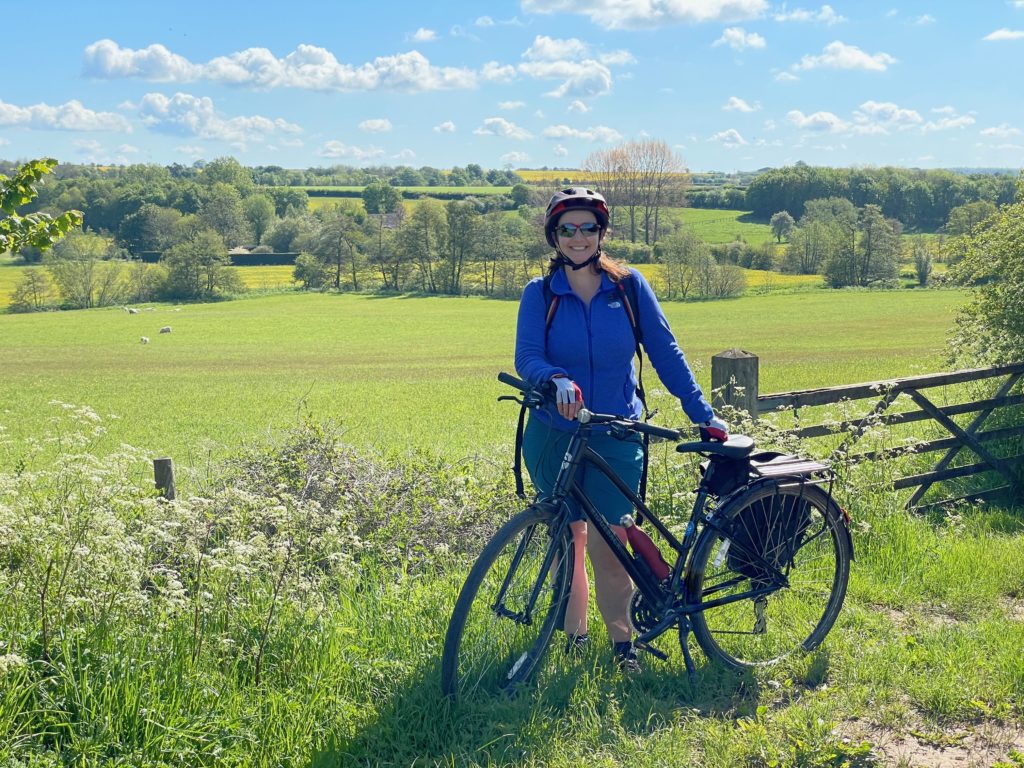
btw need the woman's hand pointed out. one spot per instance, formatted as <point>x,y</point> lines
<point>568,397</point>
<point>715,429</point>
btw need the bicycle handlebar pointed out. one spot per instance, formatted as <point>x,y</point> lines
<point>536,396</point>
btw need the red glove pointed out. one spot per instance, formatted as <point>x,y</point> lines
<point>568,397</point>
<point>715,429</point>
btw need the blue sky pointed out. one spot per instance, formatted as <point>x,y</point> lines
<point>729,84</point>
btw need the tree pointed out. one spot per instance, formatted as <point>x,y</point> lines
<point>991,327</point>
<point>33,292</point>
<point>339,242</point>
<point>151,228</point>
<point>520,195</point>
<point>922,256</point>
<point>38,230</point>
<point>873,257</point>
<point>782,224</point>
<point>462,242</point>
<point>222,212</point>
<point>680,254</point>
<point>86,268</point>
<point>199,268</point>
<point>964,218</point>
<point>259,212</point>
<point>422,241</point>
<point>379,197</point>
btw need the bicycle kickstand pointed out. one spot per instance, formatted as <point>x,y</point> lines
<point>684,642</point>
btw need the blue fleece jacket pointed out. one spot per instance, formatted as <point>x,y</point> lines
<point>594,346</point>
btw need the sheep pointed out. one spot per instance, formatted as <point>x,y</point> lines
<point>165,329</point>
<point>132,311</point>
<point>144,339</point>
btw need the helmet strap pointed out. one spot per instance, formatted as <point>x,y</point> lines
<point>564,260</point>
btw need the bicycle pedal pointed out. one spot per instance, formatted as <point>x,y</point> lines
<point>651,650</point>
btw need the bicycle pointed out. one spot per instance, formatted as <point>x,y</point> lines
<point>760,572</point>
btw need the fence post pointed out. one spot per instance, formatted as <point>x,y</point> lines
<point>163,474</point>
<point>734,380</point>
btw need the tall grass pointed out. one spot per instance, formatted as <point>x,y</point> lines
<point>292,613</point>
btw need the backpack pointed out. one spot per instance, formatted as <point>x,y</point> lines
<point>630,301</point>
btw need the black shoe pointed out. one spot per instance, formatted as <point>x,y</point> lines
<point>625,658</point>
<point>577,645</point>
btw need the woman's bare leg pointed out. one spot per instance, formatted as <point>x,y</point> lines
<point>613,587</point>
<point>576,610</point>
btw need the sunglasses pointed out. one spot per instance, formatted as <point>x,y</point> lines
<point>588,229</point>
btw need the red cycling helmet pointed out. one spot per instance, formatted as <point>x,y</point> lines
<point>573,197</point>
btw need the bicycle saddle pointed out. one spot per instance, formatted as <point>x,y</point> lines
<point>738,447</point>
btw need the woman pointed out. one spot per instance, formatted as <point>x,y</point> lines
<point>586,348</point>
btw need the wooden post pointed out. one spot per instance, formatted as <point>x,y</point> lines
<point>163,474</point>
<point>734,380</point>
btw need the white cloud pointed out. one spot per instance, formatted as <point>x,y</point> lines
<point>579,107</point>
<point>446,127</point>
<point>946,110</point>
<point>294,142</point>
<point>826,15</point>
<point>581,79</point>
<point>948,123</point>
<point>769,125</point>
<point>597,133</point>
<point>839,55</point>
<point>493,72</point>
<point>736,104</point>
<point>499,126</point>
<point>308,67</point>
<point>729,138</point>
<point>925,19</point>
<point>424,35</point>
<point>196,116</point>
<point>515,158</point>
<point>511,104</point>
<point>819,121</point>
<point>191,150</point>
<point>484,21</point>
<point>487,21</point>
<point>336,148</point>
<point>546,48</point>
<point>616,14</point>
<point>560,151</point>
<point>885,112</point>
<point>617,58</point>
<point>786,77</point>
<point>375,125</point>
<point>128,149</point>
<point>1005,34</point>
<point>4,142</point>
<point>404,155</point>
<point>1003,130</point>
<point>739,39</point>
<point>69,116</point>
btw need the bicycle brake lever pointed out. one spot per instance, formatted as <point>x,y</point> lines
<point>513,398</point>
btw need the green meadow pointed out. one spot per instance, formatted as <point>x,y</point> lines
<point>403,372</point>
<point>348,459</point>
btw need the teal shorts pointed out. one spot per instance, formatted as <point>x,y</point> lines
<point>544,447</point>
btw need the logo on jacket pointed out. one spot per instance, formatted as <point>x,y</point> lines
<point>614,304</point>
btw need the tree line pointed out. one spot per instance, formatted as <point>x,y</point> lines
<point>921,199</point>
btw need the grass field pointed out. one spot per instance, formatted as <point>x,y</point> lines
<point>294,612</point>
<point>423,190</point>
<point>403,372</point>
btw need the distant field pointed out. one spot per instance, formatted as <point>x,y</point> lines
<point>713,225</point>
<point>424,190</point>
<point>402,372</point>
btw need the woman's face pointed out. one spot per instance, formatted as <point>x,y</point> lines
<point>579,247</point>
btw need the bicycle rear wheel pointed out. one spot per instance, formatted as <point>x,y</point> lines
<point>772,574</point>
<point>508,608</point>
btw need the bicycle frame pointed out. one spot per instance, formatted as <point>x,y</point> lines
<point>666,599</point>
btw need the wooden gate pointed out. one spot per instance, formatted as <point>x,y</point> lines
<point>735,382</point>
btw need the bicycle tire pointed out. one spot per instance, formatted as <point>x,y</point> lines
<point>490,651</point>
<point>808,582</point>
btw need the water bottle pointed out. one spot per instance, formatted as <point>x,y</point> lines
<point>642,545</point>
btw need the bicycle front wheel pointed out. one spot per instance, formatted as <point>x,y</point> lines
<point>771,574</point>
<point>509,606</point>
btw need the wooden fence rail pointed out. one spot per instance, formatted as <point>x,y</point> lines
<point>734,379</point>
